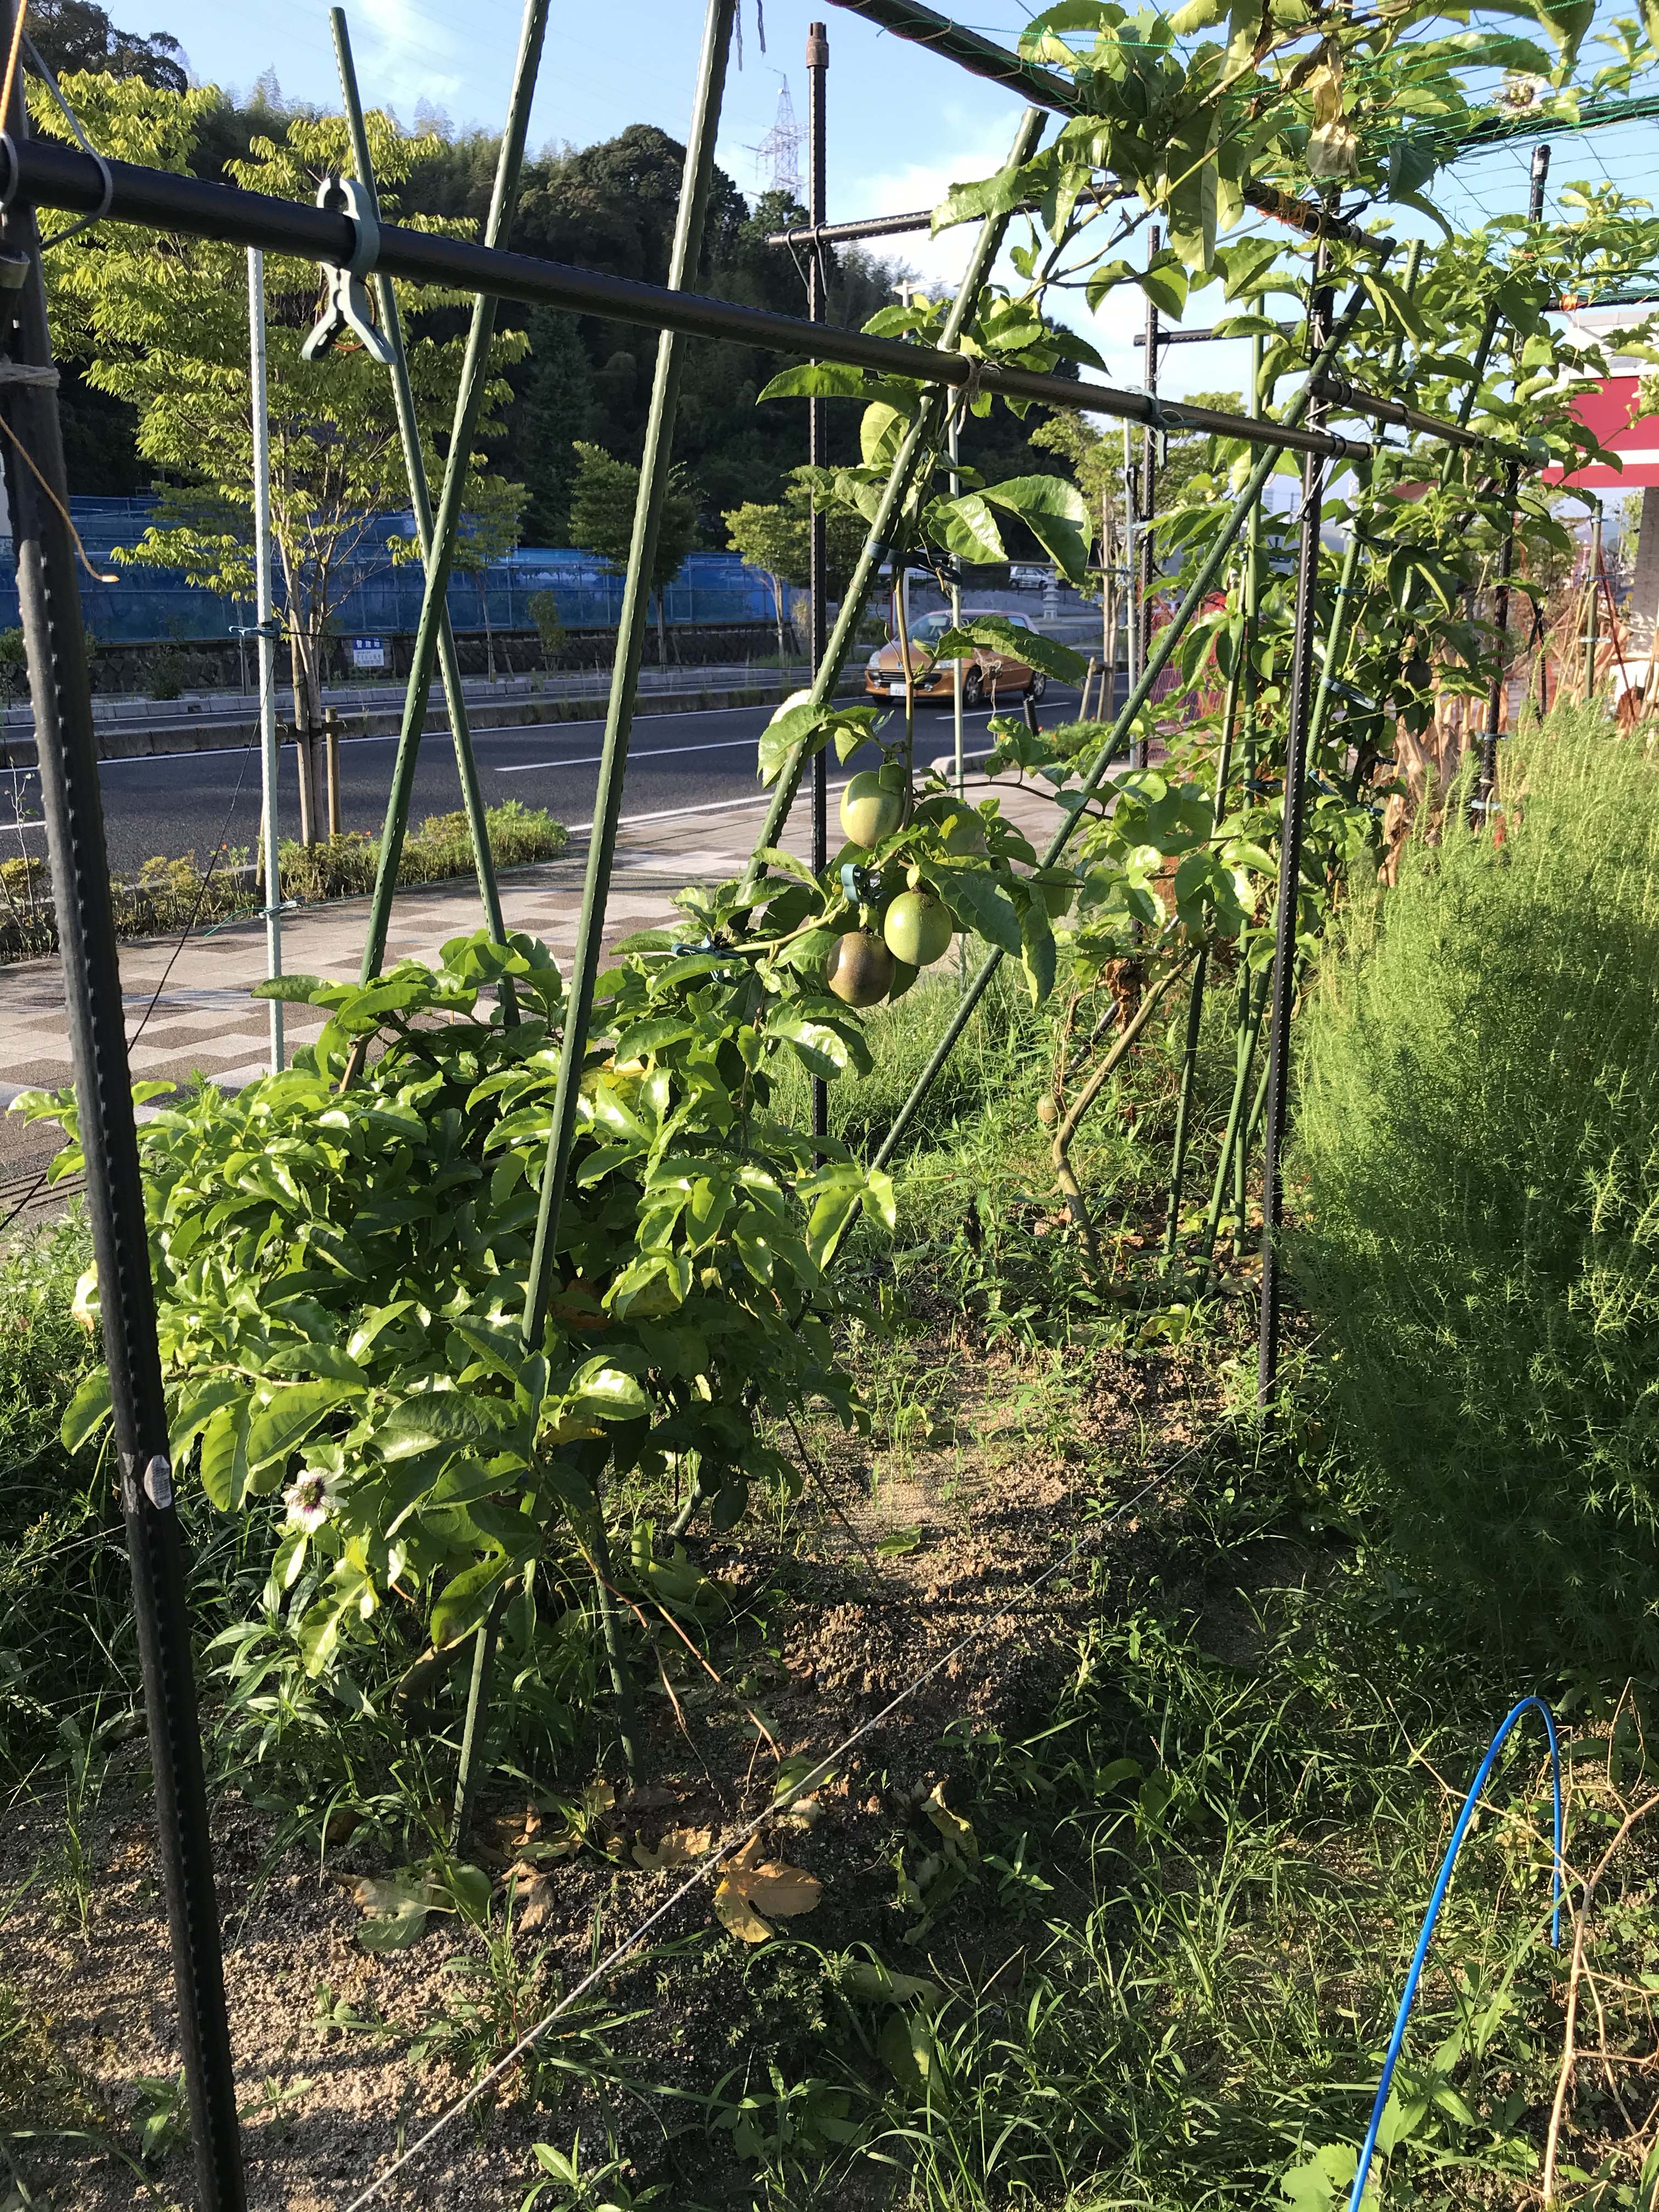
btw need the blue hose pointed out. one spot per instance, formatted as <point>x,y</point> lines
<point>1442,1883</point>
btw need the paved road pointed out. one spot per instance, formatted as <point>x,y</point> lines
<point>184,802</point>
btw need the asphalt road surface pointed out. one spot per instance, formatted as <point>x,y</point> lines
<point>181,803</point>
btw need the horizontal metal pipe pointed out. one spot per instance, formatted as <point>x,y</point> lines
<point>869,226</point>
<point>983,58</point>
<point>53,175</point>
<point>1358,401</point>
<point>1167,336</point>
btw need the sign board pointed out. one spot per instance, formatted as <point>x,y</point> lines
<point>368,653</point>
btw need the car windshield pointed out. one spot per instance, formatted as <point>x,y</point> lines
<point>930,627</point>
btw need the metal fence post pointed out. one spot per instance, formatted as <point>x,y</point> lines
<point>1283,987</point>
<point>50,608</point>
<point>271,758</point>
<point>1146,567</point>
<point>818,89</point>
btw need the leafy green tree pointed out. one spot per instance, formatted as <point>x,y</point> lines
<point>776,537</point>
<point>602,522</point>
<point>549,626</point>
<point>73,35</point>
<point>161,323</point>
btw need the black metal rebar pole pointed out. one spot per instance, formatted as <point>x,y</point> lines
<point>1485,799</point>
<point>1146,566</point>
<point>55,639</point>
<point>818,308</point>
<point>1283,988</point>
<point>685,255</point>
<point>445,529</point>
<point>420,500</point>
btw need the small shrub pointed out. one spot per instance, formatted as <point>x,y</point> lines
<point>1478,1172</point>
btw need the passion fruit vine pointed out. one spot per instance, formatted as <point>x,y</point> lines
<point>859,970</point>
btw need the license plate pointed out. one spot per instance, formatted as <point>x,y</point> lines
<point>896,689</point>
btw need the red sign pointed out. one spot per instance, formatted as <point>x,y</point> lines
<point>1609,409</point>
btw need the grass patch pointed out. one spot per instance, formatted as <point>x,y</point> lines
<point>166,895</point>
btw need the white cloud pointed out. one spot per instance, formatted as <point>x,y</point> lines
<point>411,55</point>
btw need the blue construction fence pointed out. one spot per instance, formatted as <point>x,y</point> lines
<point>373,596</point>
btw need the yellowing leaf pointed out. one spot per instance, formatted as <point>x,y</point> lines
<point>753,1885</point>
<point>736,1914</point>
<point>784,1890</point>
<point>679,1847</point>
<point>959,1834</point>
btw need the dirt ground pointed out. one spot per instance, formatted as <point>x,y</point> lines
<point>897,1550</point>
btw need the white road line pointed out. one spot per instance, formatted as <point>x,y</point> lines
<point>662,752</point>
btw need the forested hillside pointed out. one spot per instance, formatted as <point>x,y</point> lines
<point>610,207</point>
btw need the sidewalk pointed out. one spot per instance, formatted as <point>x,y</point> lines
<point>205,1023</point>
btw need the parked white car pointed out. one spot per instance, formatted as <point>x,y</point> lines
<point>1026,576</point>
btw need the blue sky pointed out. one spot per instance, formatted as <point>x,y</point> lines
<point>903,124</point>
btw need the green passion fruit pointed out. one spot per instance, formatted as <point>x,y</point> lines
<point>964,831</point>
<point>917,928</point>
<point>859,970</point>
<point>869,811</point>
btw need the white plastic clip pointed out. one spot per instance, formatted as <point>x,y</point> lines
<point>158,1484</point>
<point>347,305</point>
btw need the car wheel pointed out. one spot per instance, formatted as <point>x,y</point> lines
<point>973,690</point>
<point>1039,684</point>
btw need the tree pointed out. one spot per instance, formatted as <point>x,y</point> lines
<point>777,538</point>
<point>602,522</point>
<point>555,410</point>
<point>549,627</point>
<point>162,323</point>
<point>72,35</point>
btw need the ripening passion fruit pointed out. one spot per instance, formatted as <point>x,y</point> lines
<point>917,928</point>
<point>859,968</point>
<point>964,831</point>
<point>869,811</point>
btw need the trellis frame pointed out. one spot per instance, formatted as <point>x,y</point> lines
<point>48,174</point>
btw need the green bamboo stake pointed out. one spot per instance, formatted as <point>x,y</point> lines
<point>1232,1151</point>
<point>1168,638</point>
<point>624,676</point>
<point>885,530</point>
<point>420,498</point>
<point>441,560</point>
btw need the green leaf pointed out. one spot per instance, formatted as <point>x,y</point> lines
<point>606,1393</point>
<point>999,195</point>
<point>1037,954</point>
<point>440,1417</point>
<point>1000,635</point>
<point>224,1455</point>
<point>289,1419</point>
<point>967,529</point>
<point>467,1597</point>
<point>816,380</point>
<point>1054,511</point>
<point>86,1411</point>
<point>881,433</point>
<point>979,903</point>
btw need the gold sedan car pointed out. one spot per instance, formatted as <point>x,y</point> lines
<point>992,675</point>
